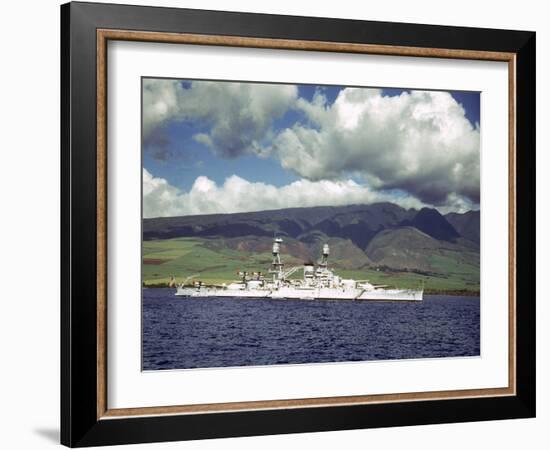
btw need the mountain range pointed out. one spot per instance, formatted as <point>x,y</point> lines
<point>380,235</point>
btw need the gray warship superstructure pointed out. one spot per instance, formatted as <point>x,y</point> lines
<point>318,282</point>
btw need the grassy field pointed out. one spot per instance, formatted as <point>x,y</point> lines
<point>189,257</point>
<point>184,257</point>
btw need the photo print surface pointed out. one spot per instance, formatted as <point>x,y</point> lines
<point>299,224</point>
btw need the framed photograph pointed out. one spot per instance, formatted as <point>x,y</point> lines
<point>277,224</point>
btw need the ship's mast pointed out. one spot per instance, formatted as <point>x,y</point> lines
<point>322,273</point>
<point>277,265</point>
<point>324,259</point>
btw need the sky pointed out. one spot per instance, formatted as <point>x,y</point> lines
<point>226,147</point>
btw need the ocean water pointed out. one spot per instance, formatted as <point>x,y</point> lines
<point>183,333</point>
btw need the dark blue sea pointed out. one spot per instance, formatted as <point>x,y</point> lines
<point>184,333</point>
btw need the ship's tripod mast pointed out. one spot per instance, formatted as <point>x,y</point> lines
<point>276,264</point>
<point>324,258</point>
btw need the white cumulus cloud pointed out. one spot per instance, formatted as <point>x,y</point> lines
<point>160,199</point>
<point>239,116</point>
<point>420,142</point>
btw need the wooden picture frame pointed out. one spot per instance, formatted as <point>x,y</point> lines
<point>86,418</point>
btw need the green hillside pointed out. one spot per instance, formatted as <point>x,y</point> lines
<point>381,242</point>
<point>443,268</point>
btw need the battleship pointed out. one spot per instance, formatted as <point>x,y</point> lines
<point>318,282</point>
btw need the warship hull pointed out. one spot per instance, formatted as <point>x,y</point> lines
<point>305,294</point>
<point>318,283</point>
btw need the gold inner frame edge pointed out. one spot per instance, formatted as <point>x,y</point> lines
<point>103,36</point>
